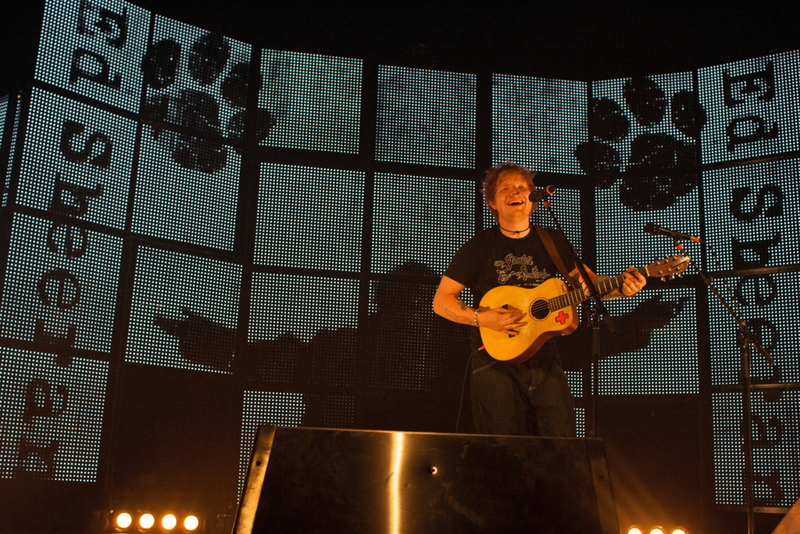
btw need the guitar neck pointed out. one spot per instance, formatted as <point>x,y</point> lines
<point>603,287</point>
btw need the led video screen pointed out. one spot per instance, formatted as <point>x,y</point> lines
<point>77,160</point>
<point>751,215</point>
<point>303,329</point>
<point>94,49</point>
<point>426,117</point>
<point>194,204</point>
<point>538,122</point>
<point>762,301</point>
<point>61,285</point>
<point>196,80</point>
<point>655,351</point>
<point>3,115</point>
<point>643,159</point>
<point>776,431</point>
<point>420,219</point>
<point>309,217</point>
<point>7,178</point>
<point>184,311</point>
<point>409,347</point>
<point>52,416</point>
<point>645,125</point>
<point>291,263</point>
<point>310,101</point>
<point>751,107</point>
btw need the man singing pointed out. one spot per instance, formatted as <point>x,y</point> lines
<point>531,398</point>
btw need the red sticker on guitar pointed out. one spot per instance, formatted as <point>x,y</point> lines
<point>562,317</point>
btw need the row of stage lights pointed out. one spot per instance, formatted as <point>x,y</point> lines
<point>655,530</point>
<point>145,521</point>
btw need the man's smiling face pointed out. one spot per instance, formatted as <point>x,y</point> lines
<point>511,197</point>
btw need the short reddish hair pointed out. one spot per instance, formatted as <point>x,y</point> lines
<point>493,176</point>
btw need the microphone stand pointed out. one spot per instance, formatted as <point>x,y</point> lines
<point>744,340</point>
<point>598,310</point>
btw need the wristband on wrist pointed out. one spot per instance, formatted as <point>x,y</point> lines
<point>475,317</point>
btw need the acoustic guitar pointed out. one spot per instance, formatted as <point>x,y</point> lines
<point>549,309</point>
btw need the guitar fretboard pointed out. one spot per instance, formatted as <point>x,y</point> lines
<point>576,296</point>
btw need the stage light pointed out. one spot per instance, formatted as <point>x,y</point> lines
<point>123,520</point>
<point>679,531</point>
<point>634,530</point>
<point>191,523</point>
<point>657,530</point>
<point>168,522</point>
<point>146,521</point>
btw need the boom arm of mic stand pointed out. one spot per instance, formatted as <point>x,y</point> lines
<point>744,332</point>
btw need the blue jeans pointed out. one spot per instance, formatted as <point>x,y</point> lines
<point>521,400</point>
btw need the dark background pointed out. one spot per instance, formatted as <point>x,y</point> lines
<point>570,40</point>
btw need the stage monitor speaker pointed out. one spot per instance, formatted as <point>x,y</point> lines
<point>790,524</point>
<point>321,480</point>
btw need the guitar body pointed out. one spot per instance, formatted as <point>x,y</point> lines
<point>542,324</point>
<point>549,309</point>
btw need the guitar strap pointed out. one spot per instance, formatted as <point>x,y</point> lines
<point>547,240</point>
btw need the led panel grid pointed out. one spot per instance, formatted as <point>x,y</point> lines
<point>626,109</point>
<point>622,242</point>
<point>3,113</point>
<point>644,141</point>
<point>266,408</point>
<point>751,106</point>
<point>426,117</point>
<point>656,350</point>
<point>184,311</point>
<point>566,204</point>
<point>775,431</point>
<point>312,320</point>
<point>575,381</point>
<point>196,204</point>
<point>751,215</point>
<point>196,79</point>
<point>768,304</point>
<point>580,423</point>
<point>94,48</point>
<point>420,219</point>
<point>313,101</point>
<point>51,416</point>
<point>11,153</point>
<point>77,160</point>
<point>409,346</point>
<point>538,122</point>
<point>309,217</point>
<point>63,279</point>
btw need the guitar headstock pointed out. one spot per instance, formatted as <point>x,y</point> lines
<point>668,268</point>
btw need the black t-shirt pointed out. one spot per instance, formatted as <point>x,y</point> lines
<point>491,259</point>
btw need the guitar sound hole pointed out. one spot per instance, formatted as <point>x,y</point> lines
<point>540,310</point>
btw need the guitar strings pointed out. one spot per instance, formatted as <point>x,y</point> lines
<point>540,309</point>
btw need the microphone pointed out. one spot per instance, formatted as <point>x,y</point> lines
<point>653,229</point>
<point>541,194</point>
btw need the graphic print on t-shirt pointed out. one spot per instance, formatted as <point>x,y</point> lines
<point>522,268</point>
